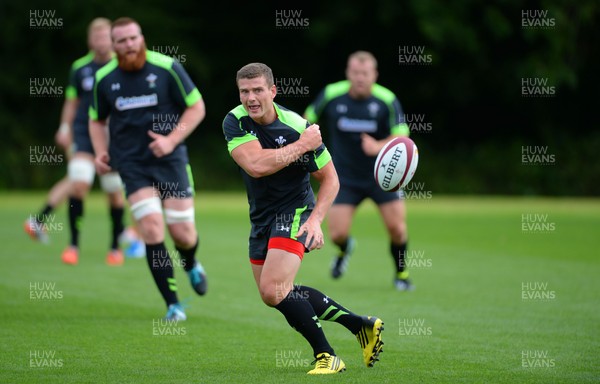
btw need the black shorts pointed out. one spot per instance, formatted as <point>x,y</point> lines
<point>284,224</point>
<point>81,139</point>
<point>354,194</point>
<point>171,179</point>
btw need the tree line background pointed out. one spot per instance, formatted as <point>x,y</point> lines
<point>477,122</point>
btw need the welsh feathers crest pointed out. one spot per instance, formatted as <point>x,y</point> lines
<point>280,140</point>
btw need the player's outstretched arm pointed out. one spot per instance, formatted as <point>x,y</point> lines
<point>259,162</point>
<point>328,190</point>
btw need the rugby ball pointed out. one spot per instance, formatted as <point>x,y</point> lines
<point>396,164</point>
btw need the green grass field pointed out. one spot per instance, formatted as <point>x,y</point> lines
<point>493,303</point>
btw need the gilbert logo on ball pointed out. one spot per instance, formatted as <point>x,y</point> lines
<point>396,164</point>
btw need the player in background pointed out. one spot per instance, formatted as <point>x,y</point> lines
<point>361,116</point>
<point>81,163</point>
<point>73,137</point>
<point>34,224</point>
<point>277,152</point>
<point>135,89</point>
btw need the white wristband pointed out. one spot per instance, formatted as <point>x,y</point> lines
<point>64,128</point>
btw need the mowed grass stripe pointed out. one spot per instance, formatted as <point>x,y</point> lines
<point>469,296</point>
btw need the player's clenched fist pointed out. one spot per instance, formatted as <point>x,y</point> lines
<point>102,163</point>
<point>311,137</point>
<point>161,145</point>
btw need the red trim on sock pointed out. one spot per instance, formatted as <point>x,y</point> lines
<point>288,245</point>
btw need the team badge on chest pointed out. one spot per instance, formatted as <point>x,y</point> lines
<point>280,140</point>
<point>373,109</point>
<point>151,79</point>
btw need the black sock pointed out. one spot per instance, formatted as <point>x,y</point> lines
<point>300,315</point>
<point>343,245</point>
<point>116,216</point>
<point>75,215</point>
<point>43,213</point>
<point>327,309</point>
<point>399,256</point>
<point>161,267</point>
<point>188,256</point>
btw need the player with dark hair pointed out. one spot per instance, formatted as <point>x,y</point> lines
<point>361,116</point>
<point>277,152</point>
<point>134,90</point>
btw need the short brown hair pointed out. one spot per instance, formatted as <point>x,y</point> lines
<point>363,56</point>
<point>254,70</point>
<point>122,21</point>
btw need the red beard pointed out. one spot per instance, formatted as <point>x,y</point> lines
<point>136,63</point>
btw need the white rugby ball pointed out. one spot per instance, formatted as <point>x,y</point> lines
<point>396,164</point>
